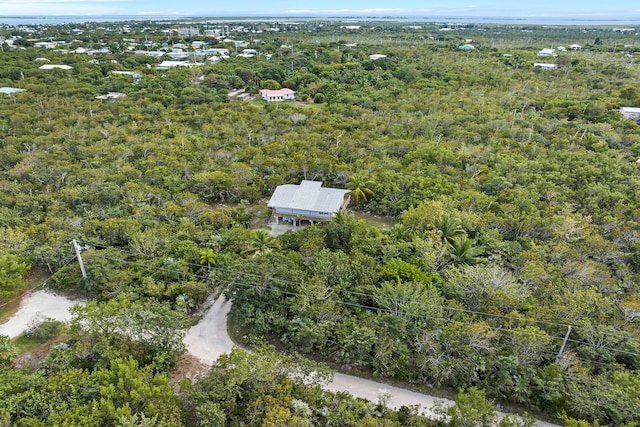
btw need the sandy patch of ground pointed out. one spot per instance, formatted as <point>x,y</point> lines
<point>37,306</point>
<point>278,229</point>
<point>209,339</point>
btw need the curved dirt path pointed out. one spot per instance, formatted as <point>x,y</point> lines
<point>209,339</point>
<point>37,306</point>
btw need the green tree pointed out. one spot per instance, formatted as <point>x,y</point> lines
<point>209,414</point>
<point>449,228</point>
<point>13,269</point>
<point>464,251</point>
<point>7,352</point>
<point>270,84</point>
<point>412,299</point>
<point>149,330</point>
<point>472,409</point>
<point>360,185</point>
<point>262,242</point>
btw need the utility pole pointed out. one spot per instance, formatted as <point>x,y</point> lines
<point>564,343</point>
<point>77,249</point>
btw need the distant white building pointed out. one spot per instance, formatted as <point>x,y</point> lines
<point>545,66</point>
<point>54,66</point>
<point>112,95</point>
<point>547,52</point>
<point>188,31</point>
<point>632,113</point>
<point>307,202</point>
<point>285,94</point>
<point>45,45</point>
<point>217,51</point>
<point>136,76</point>
<point>376,56</point>
<point>10,90</point>
<point>165,65</point>
<point>177,54</point>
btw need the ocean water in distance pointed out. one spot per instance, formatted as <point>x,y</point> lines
<point>57,20</point>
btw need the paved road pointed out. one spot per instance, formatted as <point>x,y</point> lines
<point>209,339</point>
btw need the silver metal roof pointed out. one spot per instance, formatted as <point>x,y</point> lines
<point>308,196</point>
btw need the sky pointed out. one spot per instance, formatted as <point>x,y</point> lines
<point>571,9</point>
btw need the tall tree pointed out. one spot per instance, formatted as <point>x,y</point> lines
<point>360,185</point>
<point>262,242</point>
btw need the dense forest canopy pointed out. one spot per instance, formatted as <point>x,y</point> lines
<point>509,193</point>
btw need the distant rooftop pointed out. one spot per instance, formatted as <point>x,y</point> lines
<point>53,66</point>
<point>10,90</point>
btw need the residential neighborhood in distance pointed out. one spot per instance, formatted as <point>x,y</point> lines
<point>249,220</point>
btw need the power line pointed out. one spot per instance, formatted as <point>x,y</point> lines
<point>539,352</point>
<point>351,304</point>
<point>564,326</point>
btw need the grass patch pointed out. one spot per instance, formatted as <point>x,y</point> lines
<point>238,335</point>
<point>376,220</point>
<point>8,308</point>
<point>36,343</point>
<point>23,344</point>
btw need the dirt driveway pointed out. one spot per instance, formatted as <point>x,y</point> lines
<point>34,307</point>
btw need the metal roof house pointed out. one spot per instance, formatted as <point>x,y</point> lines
<point>54,66</point>
<point>547,52</point>
<point>632,113</point>
<point>278,95</point>
<point>545,66</point>
<point>307,202</point>
<point>10,90</point>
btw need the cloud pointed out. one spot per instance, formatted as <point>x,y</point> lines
<point>62,7</point>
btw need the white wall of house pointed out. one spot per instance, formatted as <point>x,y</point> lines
<point>296,212</point>
<point>276,98</point>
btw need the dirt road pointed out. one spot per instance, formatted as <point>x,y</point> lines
<point>209,339</point>
<point>34,307</point>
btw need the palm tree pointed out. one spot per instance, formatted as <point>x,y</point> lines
<point>262,242</point>
<point>208,256</point>
<point>400,233</point>
<point>360,185</point>
<point>450,228</point>
<point>464,250</point>
<point>344,218</point>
